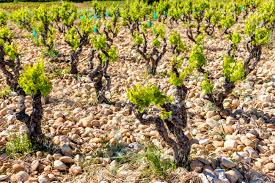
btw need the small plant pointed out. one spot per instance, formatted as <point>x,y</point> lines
<point>23,18</point>
<point>212,17</point>
<point>106,52</point>
<point>9,60</point>
<point>156,165</point>
<point>34,83</point>
<point>64,16</point>
<point>44,32</point>
<point>132,15</point>
<point>257,29</point>
<point>197,59</point>
<point>5,91</point>
<point>233,72</point>
<point>19,144</point>
<point>195,15</point>
<point>177,45</point>
<point>154,55</point>
<point>169,119</point>
<point>229,16</point>
<point>207,85</point>
<point>174,14</point>
<point>77,37</point>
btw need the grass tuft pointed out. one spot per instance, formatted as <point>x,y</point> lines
<point>4,92</point>
<point>54,54</point>
<point>155,164</point>
<point>18,144</point>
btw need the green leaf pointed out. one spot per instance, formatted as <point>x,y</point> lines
<point>207,85</point>
<point>72,38</point>
<point>99,42</point>
<point>3,18</point>
<point>235,38</point>
<point>33,80</point>
<point>145,96</point>
<point>113,53</point>
<point>175,40</point>
<point>233,70</point>
<point>138,40</point>
<point>174,80</point>
<point>159,31</point>
<point>262,36</point>
<point>156,42</point>
<point>197,58</point>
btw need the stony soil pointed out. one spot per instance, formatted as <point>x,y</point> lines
<point>224,150</point>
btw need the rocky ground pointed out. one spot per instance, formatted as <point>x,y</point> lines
<point>90,135</point>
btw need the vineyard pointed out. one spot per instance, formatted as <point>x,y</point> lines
<point>159,92</point>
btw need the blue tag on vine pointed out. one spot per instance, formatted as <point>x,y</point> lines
<point>81,17</point>
<point>107,13</point>
<point>35,34</point>
<point>149,23</point>
<point>95,29</point>
<point>165,13</point>
<point>155,15</point>
<point>95,16</point>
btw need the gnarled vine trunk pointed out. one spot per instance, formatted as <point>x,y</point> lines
<point>97,75</point>
<point>74,60</point>
<point>34,124</point>
<point>33,121</point>
<point>153,58</point>
<point>171,130</point>
<point>254,57</point>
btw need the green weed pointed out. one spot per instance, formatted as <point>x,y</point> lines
<point>4,92</point>
<point>18,144</point>
<point>156,165</point>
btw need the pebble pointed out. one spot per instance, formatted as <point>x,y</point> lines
<point>57,156</point>
<point>233,175</point>
<point>113,166</point>
<point>43,179</point>
<point>87,122</point>
<point>75,170</point>
<point>18,167</point>
<point>252,153</point>
<point>221,176</point>
<point>58,114</point>
<point>59,165</point>
<point>238,156</point>
<point>66,150</point>
<point>218,143</point>
<point>204,141</point>
<point>3,177</point>
<point>203,178</point>
<point>212,123</point>
<point>246,141</point>
<point>230,144</point>
<point>196,166</point>
<point>66,159</point>
<point>227,163</point>
<point>269,166</point>
<point>22,176</point>
<point>210,175</point>
<point>34,165</point>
